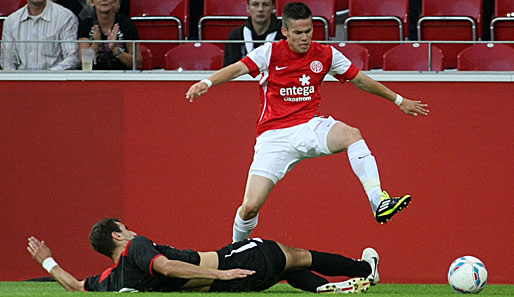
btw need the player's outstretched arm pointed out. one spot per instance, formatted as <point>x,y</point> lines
<point>410,107</point>
<point>221,76</point>
<point>42,254</point>
<point>179,269</point>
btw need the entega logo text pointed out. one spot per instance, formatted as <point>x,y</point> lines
<point>305,90</point>
<point>302,91</point>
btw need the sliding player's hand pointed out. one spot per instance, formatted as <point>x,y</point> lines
<point>414,108</point>
<point>234,273</point>
<point>38,249</point>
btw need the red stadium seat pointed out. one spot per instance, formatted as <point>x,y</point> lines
<point>413,56</point>
<point>224,7</point>
<point>154,8</point>
<point>9,6</point>
<point>486,57</point>
<point>160,20</point>
<point>206,57</point>
<point>220,18</point>
<point>323,17</point>
<point>6,8</point>
<point>147,58</point>
<point>503,8</point>
<point>502,24</point>
<point>358,54</point>
<point>450,20</point>
<point>377,20</point>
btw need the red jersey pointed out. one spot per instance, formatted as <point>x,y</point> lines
<point>290,83</point>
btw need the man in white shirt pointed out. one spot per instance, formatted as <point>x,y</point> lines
<point>41,20</point>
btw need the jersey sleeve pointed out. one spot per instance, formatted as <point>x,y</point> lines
<point>142,253</point>
<point>342,68</point>
<point>258,60</point>
<point>91,284</point>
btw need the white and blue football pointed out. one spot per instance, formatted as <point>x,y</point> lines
<point>467,275</point>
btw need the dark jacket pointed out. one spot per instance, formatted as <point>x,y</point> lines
<point>236,51</point>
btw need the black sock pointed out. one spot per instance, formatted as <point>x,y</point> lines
<point>304,280</point>
<point>337,265</point>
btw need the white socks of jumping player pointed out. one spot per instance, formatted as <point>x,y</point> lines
<point>365,167</point>
<point>243,229</point>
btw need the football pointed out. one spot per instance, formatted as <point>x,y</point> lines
<point>467,275</point>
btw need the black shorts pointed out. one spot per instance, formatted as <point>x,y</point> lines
<point>263,256</point>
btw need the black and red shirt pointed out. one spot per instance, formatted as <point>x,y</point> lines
<point>134,269</point>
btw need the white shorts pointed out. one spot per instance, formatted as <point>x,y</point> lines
<point>278,151</point>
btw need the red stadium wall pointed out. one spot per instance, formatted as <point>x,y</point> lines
<point>76,151</point>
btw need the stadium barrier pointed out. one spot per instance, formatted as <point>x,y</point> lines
<point>77,147</point>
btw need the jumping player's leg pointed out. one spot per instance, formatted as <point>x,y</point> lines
<point>273,158</point>
<point>343,137</point>
<point>247,215</point>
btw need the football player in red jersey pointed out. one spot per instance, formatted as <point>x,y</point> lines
<point>290,126</point>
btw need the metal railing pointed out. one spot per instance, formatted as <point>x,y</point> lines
<point>492,26</point>
<point>133,43</point>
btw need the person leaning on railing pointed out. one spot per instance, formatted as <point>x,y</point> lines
<point>106,24</point>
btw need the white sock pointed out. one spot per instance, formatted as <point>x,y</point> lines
<point>243,229</point>
<point>365,167</point>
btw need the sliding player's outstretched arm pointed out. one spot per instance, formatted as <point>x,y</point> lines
<point>221,76</point>
<point>179,269</point>
<point>42,254</point>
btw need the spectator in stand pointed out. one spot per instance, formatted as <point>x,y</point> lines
<point>262,24</point>
<point>109,25</point>
<point>42,20</point>
<point>83,10</point>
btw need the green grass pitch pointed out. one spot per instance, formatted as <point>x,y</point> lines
<point>14,289</point>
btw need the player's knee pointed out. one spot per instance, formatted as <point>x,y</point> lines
<point>353,134</point>
<point>296,258</point>
<point>249,211</point>
<point>342,137</point>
